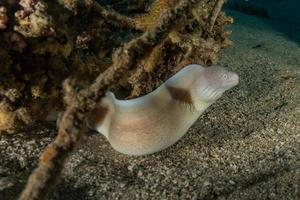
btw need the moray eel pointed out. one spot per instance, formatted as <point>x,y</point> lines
<point>153,122</point>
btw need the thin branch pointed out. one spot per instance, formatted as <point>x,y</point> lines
<point>72,126</point>
<point>215,13</point>
<point>122,20</point>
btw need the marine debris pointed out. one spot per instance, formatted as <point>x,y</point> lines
<point>93,46</point>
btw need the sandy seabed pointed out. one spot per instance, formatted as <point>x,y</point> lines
<point>245,146</point>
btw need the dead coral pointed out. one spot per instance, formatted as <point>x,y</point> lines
<point>6,114</point>
<point>115,17</point>
<point>3,17</point>
<point>131,7</point>
<point>32,68</point>
<point>76,5</point>
<point>148,21</point>
<point>16,40</point>
<point>28,5</point>
<point>214,14</point>
<point>33,21</point>
<point>9,116</point>
<point>83,40</point>
<point>83,43</point>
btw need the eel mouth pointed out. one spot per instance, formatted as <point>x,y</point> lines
<point>234,80</point>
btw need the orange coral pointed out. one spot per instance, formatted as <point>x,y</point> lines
<point>49,154</point>
<point>148,21</point>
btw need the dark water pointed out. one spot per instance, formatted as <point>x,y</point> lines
<point>284,15</point>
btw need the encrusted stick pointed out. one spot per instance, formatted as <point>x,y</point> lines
<point>122,20</point>
<point>215,13</point>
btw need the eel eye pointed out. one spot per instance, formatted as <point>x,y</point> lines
<point>224,76</point>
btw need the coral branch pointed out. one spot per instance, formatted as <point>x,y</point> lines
<point>114,16</point>
<point>148,21</point>
<point>72,126</point>
<point>215,13</point>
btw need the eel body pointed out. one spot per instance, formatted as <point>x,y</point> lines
<point>157,120</point>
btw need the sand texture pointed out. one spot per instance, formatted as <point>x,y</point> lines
<point>246,146</point>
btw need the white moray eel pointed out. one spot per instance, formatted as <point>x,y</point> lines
<point>159,119</point>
